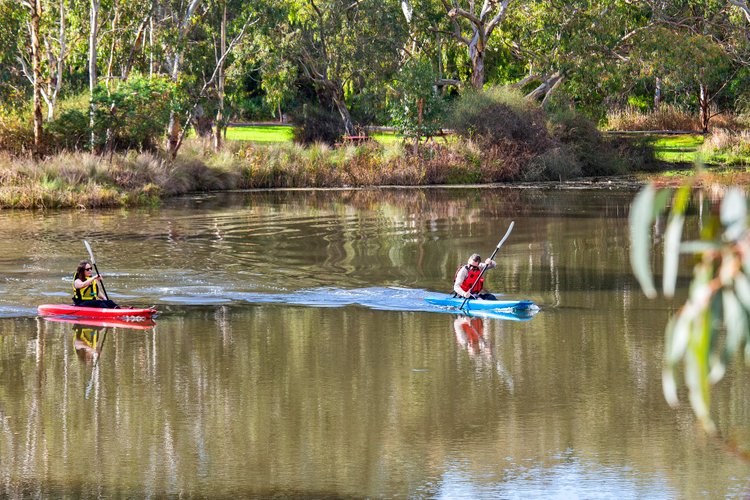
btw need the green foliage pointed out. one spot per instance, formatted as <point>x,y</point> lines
<point>133,114</point>
<point>69,131</point>
<point>712,327</point>
<point>417,109</point>
<point>16,133</point>
<point>640,102</point>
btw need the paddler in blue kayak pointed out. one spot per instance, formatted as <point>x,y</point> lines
<point>86,292</point>
<point>466,284</point>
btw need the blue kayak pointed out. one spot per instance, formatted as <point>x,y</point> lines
<point>481,305</point>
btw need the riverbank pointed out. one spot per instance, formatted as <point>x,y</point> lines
<point>83,180</point>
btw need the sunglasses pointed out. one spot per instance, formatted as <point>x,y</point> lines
<point>87,269</point>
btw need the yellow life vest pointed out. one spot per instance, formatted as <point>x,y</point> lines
<point>90,292</point>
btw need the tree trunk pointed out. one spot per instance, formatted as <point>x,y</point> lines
<point>93,32</point>
<point>657,94</point>
<point>704,103</point>
<point>173,130</point>
<point>36,14</point>
<point>113,45</point>
<point>220,82</point>
<point>476,52</point>
<point>55,84</point>
<point>338,101</point>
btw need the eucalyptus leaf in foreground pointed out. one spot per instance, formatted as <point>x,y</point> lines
<point>641,216</point>
<point>713,326</point>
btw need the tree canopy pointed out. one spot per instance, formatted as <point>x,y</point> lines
<point>260,60</point>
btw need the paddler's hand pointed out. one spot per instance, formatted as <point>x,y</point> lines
<point>467,295</point>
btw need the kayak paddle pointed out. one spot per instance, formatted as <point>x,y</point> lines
<point>507,233</point>
<point>93,263</point>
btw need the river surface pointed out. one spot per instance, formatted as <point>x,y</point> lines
<point>294,355</point>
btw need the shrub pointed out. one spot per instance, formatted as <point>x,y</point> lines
<point>417,109</point>
<point>16,134</point>
<point>556,164</point>
<point>133,114</point>
<point>585,145</point>
<point>70,131</point>
<point>316,124</point>
<point>497,115</point>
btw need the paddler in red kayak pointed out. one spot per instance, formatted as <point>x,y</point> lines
<point>86,291</point>
<point>465,283</point>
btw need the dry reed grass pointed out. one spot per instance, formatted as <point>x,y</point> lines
<point>665,118</point>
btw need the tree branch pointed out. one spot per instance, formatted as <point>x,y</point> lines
<point>742,4</point>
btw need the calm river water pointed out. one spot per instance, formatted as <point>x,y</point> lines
<point>294,355</point>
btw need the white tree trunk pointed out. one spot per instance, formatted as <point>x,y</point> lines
<point>93,35</point>
<point>657,94</point>
<point>173,133</point>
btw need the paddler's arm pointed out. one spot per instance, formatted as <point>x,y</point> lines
<point>83,284</point>
<point>489,264</point>
<point>460,277</point>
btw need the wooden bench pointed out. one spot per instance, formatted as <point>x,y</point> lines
<point>356,139</point>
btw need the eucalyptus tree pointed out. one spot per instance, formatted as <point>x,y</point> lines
<point>93,54</point>
<point>340,46</point>
<point>743,6</point>
<point>13,40</point>
<point>712,327</point>
<point>181,18</point>
<point>473,24</point>
<point>577,45</point>
<point>35,14</point>
<point>52,35</point>
<point>697,47</point>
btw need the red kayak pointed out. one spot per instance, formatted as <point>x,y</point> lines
<point>95,312</point>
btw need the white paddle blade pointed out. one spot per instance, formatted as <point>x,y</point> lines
<point>507,233</point>
<point>91,254</point>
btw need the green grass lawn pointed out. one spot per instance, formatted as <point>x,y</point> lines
<point>677,148</point>
<point>284,133</point>
<point>261,133</point>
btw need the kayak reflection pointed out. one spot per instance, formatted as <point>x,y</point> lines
<point>110,322</point>
<point>471,336</point>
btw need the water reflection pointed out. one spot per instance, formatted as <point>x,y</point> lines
<point>471,337</point>
<point>88,343</point>
<point>296,356</point>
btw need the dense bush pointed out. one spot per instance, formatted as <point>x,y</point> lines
<point>585,144</point>
<point>497,115</point>
<point>16,134</point>
<point>69,132</point>
<point>316,124</point>
<point>133,114</point>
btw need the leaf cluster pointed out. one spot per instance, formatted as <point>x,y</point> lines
<point>714,323</point>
